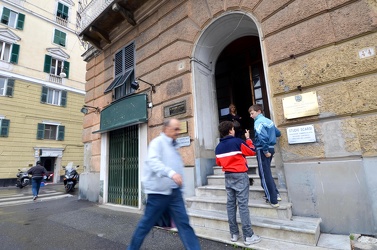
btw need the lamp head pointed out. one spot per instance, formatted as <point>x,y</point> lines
<point>135,85</point>
<point>84,110</point>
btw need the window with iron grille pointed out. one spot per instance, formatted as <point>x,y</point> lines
<point>124,63</point>
<point>13,19</point>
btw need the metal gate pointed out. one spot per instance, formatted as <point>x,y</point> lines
<point>123,167</point>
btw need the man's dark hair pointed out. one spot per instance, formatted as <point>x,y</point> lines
<point>225,127</point>
<point>256,107</point>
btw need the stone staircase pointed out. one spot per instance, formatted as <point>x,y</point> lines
<point>277,227</point>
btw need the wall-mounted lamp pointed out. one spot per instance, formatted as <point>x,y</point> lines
<point>62,74</point>
<point>135,85</point>
<point>85,109</point>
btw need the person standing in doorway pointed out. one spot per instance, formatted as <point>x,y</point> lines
<point>265,139</point>
<point>236,119</point>
<point>162,180</point>
<point>37,172</point>
<point>230,155</point>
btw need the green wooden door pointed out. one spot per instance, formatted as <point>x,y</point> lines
<point>123,167</point>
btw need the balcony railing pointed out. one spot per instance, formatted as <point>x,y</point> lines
<point>61,21</point>
<point>91,11</point>
<point>55,79</point>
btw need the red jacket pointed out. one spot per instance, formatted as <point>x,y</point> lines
<point>231,152</point>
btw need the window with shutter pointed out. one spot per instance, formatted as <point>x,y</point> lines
<point>13,19</point>
<point>54,96</point>
<point>55,66</point>
<point>4,127</point>
<point>14,54</point>
<point>124,63</point>
<point>62,11</point>
<point>6,86</point>
<point>48,131</point>
<point>60,38</point>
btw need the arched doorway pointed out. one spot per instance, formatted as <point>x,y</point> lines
<point>240,80</point>
<point>216,37</point>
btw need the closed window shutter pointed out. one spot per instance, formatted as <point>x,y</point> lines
<point>20,21</point>
<point>63,100</point>
<point>44,94</point>
<point>62,38</point>
<point>5,16</point>
<point>10,87</point>
<point>61,133</point>
<point>66,68</point>
<point>14,54</point>
<point>129,57</point>
<point>47,66</point>
<point>4,129</point>
<point>57,37</point>
<point>41,131</point>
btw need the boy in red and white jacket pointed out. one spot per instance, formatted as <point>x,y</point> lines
<point>230,155</point>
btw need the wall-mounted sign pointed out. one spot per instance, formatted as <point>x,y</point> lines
<point>183,126</point>
<point>183,141</point>
<point>301,134</point>
<point>301,105</point>
<point>175,109</point>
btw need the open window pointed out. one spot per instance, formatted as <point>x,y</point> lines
<point>13,19</point>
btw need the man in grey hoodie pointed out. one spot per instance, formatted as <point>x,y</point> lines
<point>162,181</point>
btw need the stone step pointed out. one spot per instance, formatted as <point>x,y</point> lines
<point>299,230</point>
<point>256,192</point>
<point>256,207</point>
<point>217,170</point>
<point>220,179</point>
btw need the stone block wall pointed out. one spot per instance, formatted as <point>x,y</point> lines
<point>313,44</point>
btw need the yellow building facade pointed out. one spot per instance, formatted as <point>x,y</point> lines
<point>42,79</point>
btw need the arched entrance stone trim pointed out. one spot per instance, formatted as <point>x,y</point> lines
<point>213,39</point>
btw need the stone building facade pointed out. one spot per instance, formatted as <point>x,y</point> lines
<point>202,55</point>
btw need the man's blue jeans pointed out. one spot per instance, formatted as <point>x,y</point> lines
<point>237,189</point>
<point>156,205</point>
<point>35,185</point>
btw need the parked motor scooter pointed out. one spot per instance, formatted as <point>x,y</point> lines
<point>71,177</point>
<point>23,178</point>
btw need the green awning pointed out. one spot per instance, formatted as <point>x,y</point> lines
<point>128,111</point>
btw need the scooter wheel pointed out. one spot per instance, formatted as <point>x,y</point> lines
<point>68,188</point>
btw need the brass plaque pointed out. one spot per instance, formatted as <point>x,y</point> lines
<point>175,109</point>
<point>301,105</point>
<point>183,127</point>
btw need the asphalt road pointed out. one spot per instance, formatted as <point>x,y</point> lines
<point>69,223</point>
